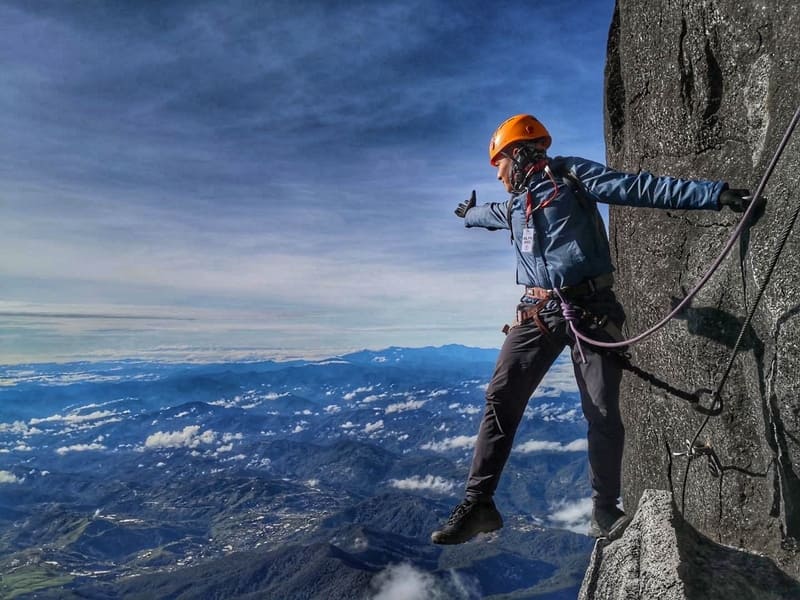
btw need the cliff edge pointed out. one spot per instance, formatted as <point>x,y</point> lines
<point>706,90</point>
<point>660,556</point>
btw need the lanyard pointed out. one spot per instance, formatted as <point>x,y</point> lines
<point>529,208</point>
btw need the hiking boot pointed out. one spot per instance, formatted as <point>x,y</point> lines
<point>607,521</point>
<point>467,520</point>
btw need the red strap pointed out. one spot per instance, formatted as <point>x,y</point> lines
<point>538,166</point>
<point>528,207</point>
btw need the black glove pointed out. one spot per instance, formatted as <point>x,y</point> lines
<point>464,207</point>
<point>736,200</point>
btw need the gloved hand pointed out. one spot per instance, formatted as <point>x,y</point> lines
<point>464,207</point>
<point>735,199</point>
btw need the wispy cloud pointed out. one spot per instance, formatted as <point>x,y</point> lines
<point>80,448</point>
<point>433,483</point>
<point>75,418</point>
<point>465,410</point>
<point>268,166</point>
<point>405,406</point>
<point>454,443</point>
<point>579,445</point>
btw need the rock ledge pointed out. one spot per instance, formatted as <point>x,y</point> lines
<point>661,557</point>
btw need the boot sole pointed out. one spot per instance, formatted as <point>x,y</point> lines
<point>452,540</point>
<point>614,532</point>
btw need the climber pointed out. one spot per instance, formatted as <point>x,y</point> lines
<point>562,254</point>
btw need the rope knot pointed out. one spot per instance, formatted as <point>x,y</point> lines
<point>571,312</point>
<point>572,315</point>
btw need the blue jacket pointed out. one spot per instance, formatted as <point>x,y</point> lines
<point>569,238</point>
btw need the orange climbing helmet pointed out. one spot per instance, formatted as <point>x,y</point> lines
<point>519,128</point>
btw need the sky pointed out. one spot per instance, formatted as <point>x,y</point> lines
<point>241,180</point>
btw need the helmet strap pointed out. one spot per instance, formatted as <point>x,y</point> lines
<point>526,161</point>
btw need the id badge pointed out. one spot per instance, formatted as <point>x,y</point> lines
<point>527,240</point>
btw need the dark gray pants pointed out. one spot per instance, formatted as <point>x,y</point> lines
<point>524,359</point>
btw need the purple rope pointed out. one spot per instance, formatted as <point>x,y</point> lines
<point>572,316</point>
<point>737,232</point>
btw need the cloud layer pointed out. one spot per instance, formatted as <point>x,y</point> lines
<point>239,176</point>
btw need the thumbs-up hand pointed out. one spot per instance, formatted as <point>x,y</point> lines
<point>463,208</point>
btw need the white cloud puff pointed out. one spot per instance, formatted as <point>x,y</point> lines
<point>453,443</point>
<point>579,445</point>
<point>370,427</point>
<point>574,516</point>
<point>8,477</point>
<point>188,437</point>
<point>19,427</point>
<point>403,406</point>
<point>79,448</point>
<point>465,410</point>
<point>429,482</point>
<point>404,582</point>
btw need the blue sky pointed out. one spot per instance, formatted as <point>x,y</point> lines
<point>203,180</point>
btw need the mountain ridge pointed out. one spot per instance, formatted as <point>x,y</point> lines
<point>346,466</point>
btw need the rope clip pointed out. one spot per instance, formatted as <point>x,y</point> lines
<point>705,449</point>
<point>715,407</point>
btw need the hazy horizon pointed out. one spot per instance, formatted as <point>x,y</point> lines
<point>256,179</point>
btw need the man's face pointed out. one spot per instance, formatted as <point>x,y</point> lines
<point>504,172</point>
<point>504,164</point>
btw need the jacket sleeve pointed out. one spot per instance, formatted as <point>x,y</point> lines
<point>646,190</point>
<point>493,215</point>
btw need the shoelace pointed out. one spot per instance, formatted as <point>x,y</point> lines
<point>458,512</point>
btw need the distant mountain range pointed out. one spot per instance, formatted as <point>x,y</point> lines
<point>300,479</point>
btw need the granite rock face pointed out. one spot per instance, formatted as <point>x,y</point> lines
<point>705,89</point>
<point>661,557</point>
